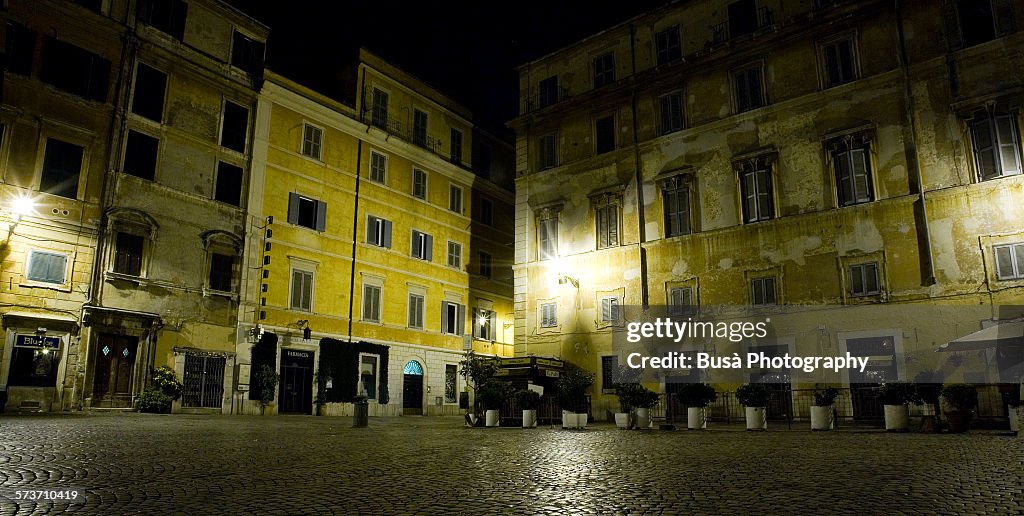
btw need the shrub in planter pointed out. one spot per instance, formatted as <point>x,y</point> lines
<point>643,401</point>
<point>492,395</point>
<point>167,382</point>
<point>695,397</point>
<point>528,401</point>
<point>821,411</point>
<point>153,400</point>
<point>754,398</point>
<point>895,396</point>
<point>960,400</point>
<point>572,387</point>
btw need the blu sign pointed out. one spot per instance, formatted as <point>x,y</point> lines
<point>35,341</point>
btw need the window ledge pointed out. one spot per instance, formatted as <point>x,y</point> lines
<point>119,276</point>
<point>61,287</point>
<point>209,292</point>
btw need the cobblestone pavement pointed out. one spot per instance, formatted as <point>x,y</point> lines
<point>175,464</point>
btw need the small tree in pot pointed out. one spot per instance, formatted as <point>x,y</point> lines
<point>643,401</point>
<point>572,396</point>
<point>492,395</point>
<point>822,410</point>
<point>895,397</point>
<point>477,370</point>
<point>696,397</point>
<point>959,399</point>
<point>528,401</point>
<point>754,398</point>
<point>627,385</point>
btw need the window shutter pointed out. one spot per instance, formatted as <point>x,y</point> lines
<point>954,37</point>
<point>477,313</point>
<point>321,215</point>
<point>859,170</point>
<point>387,234</point>
<point>460,320</point>
<point>371,230</point>
<point>984,148</point>
<point>1006,135</point>
<point>769,291</point>
<point>1002,10</point>
<point>413,241</point>
<point>293,208</point>
<point>871,270</point>
<point>296,289</point>
<point>1004,262</point>
<point>444,317</point>
<point>429,248</point>
<point>492,320</point>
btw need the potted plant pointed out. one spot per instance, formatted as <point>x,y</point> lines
<point>644,400</point>
<point>1015,411</point>
<point>929,387</point>
<point>895,397</point>
<point>959,402</point>
<point>476,370</point>
<point>492,396</point>
<point>528,401</point>
<point>696,397</point>
<point>822,410</point>
<point>627,393</point>
<point>754,398</point>
<point>572,396</point>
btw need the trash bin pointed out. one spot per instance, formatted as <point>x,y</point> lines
<point>360,413</point>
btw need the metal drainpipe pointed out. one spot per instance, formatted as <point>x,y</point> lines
<point>355,208</point>
<point>641,220</point>
<point>921,209</point>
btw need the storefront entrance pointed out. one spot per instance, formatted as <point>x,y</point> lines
<point>412,389</point>
<point>115,367</point>
<point>295,393</point>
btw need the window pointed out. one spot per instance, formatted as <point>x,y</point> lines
<point>483,161</point>
<point>548,91</point>
<point>742,18</point>
<point>62,164</point>
<point>379,113</point>
<point>971,22</point>
<point>485,264</point>
<point>547,151</point>
<point>47,267</point>
<point>748,89</point>
<point>762,291</point>
<point>670,113</point>
<point>416,304</point>
<point>486,212</point>
<point>996,142</point>
<point>680,301</point>
<point>167,16</point>
<point>74,70</point>
<point>221,272</point>
<point>371,303</point>
<point>455,199</point>
<point>229,184</point>
<point>378,231</point>
<point>839,62</point>
<point>756,190</point>
<point>247,53</point>
<point>604,69</point>
<point>676,196</point>
<point>368,376</point>
<point>453,318</point>
<point>852,165</point>
<point>1009,261</point>
<point>419,128</point>
<point>419,184</point>
<point>20,48</point>
<point>235,127</point>
<point>148,95</point>
<point>456,146</point>
<point>604,129</point>
<point>378,167</point>
<point>302,290</point>
<point>454,255</point>
<point>864,279</point>
<point>422,246</point>
<point>451,378</point>
<point>609,310</point>
<point>203,381</point>
<point>547,237</point>
<point>483,324</point>
<point>608,366</point>
<point>140,155</point>
<point>307,212</point>
<point>128,250</point>
<point>34,361</point>
<point>548,315</point>
<point>607,226</point>
<point>667,43</point>
<point>312,140</point>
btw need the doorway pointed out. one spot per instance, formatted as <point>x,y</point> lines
<point>115,369</point>
<point>296,390</point>
<point>412,389</point>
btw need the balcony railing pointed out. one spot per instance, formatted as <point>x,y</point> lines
<point>723,31</point>
<point>538,101</point>
<point>394,126</point>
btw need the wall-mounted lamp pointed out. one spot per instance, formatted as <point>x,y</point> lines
<point>255,333</point>
<point>20,207</point>
<point>563,279</point>
<point>307,332</point>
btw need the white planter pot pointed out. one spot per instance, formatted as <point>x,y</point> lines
<point>568,419</point>
<point>622,420</point>
<point>1016,416</point>
<point>581,420</point>
<point>695,419</point>
<point>643,418</point>
<point>897,418</point>
<point>491,418</point>
<point>529,418</point>
<point>821,418</point>
<point>756,418</point>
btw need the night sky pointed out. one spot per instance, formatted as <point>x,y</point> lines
<point>468,50</point>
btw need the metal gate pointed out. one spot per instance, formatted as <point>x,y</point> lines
<point>204,382</point>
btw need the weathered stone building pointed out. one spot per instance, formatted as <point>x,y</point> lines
<point>852,155</point>
<point>381,254</point>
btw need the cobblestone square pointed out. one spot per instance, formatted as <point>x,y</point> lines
<point>158,464</point>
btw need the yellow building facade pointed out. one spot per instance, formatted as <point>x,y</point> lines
<point>776,154</point>
<point>379,239</point>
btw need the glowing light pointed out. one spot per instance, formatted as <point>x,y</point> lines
<point>22,206</point>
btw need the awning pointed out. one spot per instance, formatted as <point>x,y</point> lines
<point>1009,332</point>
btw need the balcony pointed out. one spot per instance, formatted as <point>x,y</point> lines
<point>738,26</point>
<point>404,130</point>
<point>544,99</point>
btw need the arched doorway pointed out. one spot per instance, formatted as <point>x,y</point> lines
<point>412,389</point>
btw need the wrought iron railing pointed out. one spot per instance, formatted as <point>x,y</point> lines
<point>538,101</point>
<point>394,126</point>
<point>722,31</point>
